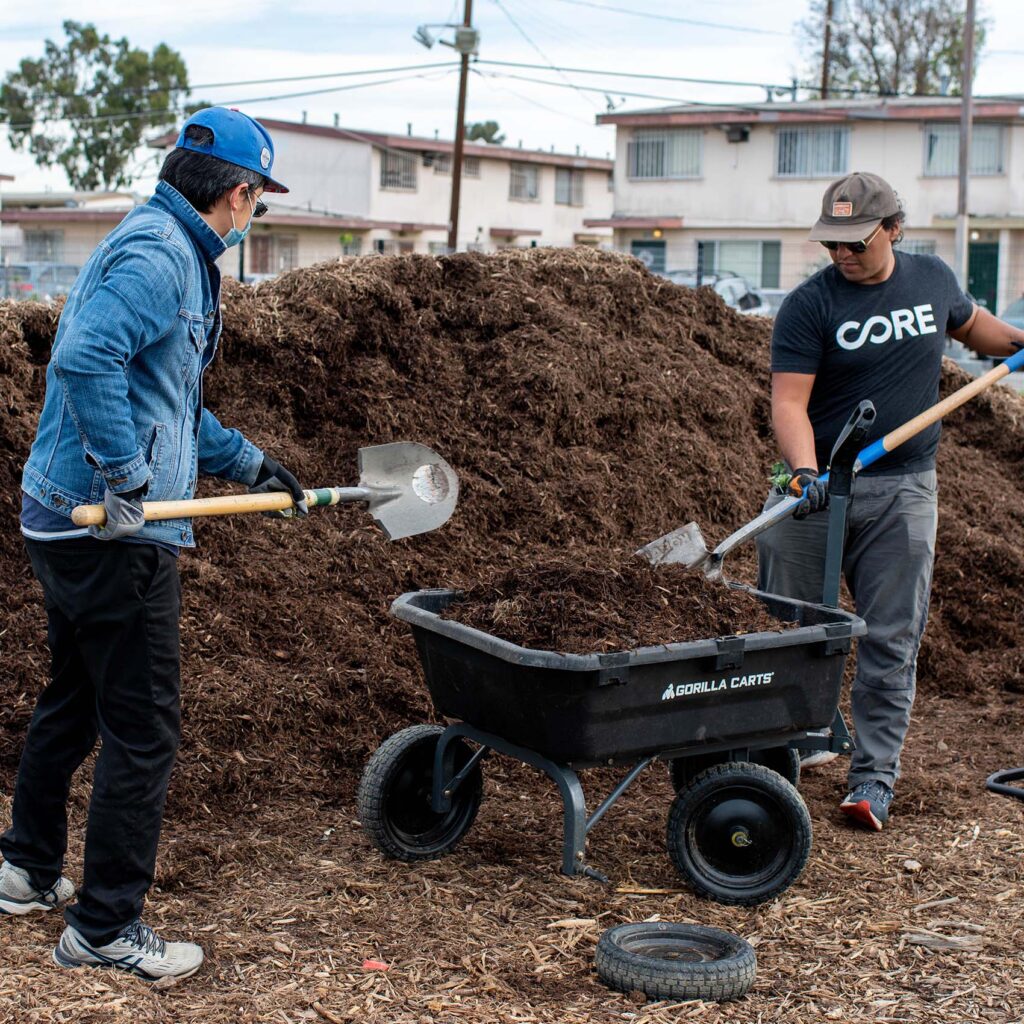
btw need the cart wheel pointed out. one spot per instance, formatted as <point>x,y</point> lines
<point>676,961</point>
<point>739,833</point>
<point>783,760</point>
<point>394,797</point>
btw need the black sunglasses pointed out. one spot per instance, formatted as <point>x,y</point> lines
<point>855,247</point>
<point>259,209</point>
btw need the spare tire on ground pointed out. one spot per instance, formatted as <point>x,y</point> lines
<point>676,961</point>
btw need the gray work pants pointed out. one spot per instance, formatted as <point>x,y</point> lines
<point>887,563</point>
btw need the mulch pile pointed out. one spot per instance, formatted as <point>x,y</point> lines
<point>588,407</point>
<point>559,605</point>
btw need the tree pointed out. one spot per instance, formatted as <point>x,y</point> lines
<point>892,47</point>
<point>86,106</point>
<point>486,131</point>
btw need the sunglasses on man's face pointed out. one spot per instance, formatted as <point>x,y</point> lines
<point>854,247</point>
<point>259,209</point>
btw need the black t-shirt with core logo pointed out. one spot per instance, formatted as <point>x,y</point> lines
<point>883,342</point>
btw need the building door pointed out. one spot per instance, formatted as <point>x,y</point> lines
<point>983,273</point>
<point>651,254</point>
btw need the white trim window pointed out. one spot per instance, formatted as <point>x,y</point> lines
<point>918,246</point>
<point>568,186</point>
<point>758,261</point>
<point>819,151</point>
<point>668,153</point>
<point>524,182</point>
<point>470,165</point>
<point>397,170</point>
<point>942,149</point>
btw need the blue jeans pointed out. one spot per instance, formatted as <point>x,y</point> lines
<point>112,613</point>
<point>887,563</point>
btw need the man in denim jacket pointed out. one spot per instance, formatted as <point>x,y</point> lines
<point>123,419</point>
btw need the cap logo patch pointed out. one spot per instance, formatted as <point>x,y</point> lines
<point>844,209</point>
<point>265,158</point>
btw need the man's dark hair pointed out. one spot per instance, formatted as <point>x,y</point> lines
<point>895,221</point>
<point>202,179</point>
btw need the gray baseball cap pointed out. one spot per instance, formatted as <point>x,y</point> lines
<point>853,207</point>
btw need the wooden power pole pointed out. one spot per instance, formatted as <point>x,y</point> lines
<point>460,128</point>
<point>826,51</point>
<point>966,112</point>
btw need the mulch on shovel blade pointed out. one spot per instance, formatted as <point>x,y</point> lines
<point>588,407</point>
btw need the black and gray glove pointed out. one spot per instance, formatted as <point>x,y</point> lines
<point>124,515</point>
<point>274,477</point>
<point>805,484</point>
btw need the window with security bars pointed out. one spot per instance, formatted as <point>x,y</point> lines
<point>470,165</point>
<point>44,246</point>
<point>942,149</point>
<point>271,254</point>
<point>918,246</point>
<point>817,152</point>
<point>397,170</point>
<point>524,182</point>
<point>673,153</point>
<point>568,186</point>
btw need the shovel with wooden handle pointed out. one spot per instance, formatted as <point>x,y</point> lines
<point>686,545</point>
<point>408,488</point>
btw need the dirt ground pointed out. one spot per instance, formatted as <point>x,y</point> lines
<point>588,407</point>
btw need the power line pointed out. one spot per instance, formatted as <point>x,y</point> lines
<point>519,28</point>
<point>488,81</point>
<point>674,18</point>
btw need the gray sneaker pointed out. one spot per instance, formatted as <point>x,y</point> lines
<point>137,949</point>
<point>19,896</point>
<point>816,758</point>
<point>868,804</point>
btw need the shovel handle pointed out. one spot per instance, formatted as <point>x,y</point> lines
<point>223,505</point>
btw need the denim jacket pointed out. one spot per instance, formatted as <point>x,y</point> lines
<point>124,386</point>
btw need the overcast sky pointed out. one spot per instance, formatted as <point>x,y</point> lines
<point>236,40</point>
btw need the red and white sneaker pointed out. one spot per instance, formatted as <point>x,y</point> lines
<point>868,804</point>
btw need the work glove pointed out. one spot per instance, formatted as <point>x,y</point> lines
<point>805,484</point>
<point>124,515</point>
<point>274,477</point>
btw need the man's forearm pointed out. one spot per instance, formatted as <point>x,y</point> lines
<point>990,336</point>
<point>795,435</point>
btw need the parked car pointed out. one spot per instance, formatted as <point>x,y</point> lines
<point>1014,314</point>
<point>39,281</point>
<point>734,290</point>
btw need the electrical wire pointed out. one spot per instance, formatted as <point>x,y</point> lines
<point>519,28</point>
<point>675,18</point>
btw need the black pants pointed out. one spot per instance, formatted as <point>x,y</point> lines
<point>112,612</point>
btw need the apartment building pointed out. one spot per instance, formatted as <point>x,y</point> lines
<point>736,188</point>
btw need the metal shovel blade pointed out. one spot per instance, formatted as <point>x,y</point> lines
<point>684,545</point>
<point>412,489</point>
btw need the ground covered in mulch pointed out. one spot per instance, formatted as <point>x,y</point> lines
<point>559,605</point>
<point>588,407</point>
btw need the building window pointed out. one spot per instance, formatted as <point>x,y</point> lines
<point>756,261</point>
<point>397,170</point>
<point>271,254</point>
<point>674,153</point>
<point>651,254</point>
<point>942,149</point>
<point>351,245</point>
<point>918,246</point>
<point>611,182</point>
<point>385,246</point>
<point>44,246</point>
<point>437,248</point>
<point>568,186</point>
<point>524,182</point>
<point>442,163</point>
<point>812,152</point>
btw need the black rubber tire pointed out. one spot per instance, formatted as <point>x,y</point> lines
<point>784,760</point>
<point>739,833</point>
<point>393,802</point>
<point>676,961</point>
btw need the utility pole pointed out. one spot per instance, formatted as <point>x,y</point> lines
<point>464,51</point>
<point>826,52</point>
<point>966,111</point>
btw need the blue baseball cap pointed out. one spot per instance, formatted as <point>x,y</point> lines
<point>237,139</point>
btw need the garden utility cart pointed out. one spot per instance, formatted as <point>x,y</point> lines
<point>738,830</point>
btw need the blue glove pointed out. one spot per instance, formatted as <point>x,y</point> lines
<point>274,477</point>
<point>124,515</point>
<point>805,484</point>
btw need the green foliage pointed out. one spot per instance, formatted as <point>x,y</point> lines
<point>68,107</point>
<point>484,131</point>
<point>780,476</point>
<point>893,47</point>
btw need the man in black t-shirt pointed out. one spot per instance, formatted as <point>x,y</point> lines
<point>872,325</point>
